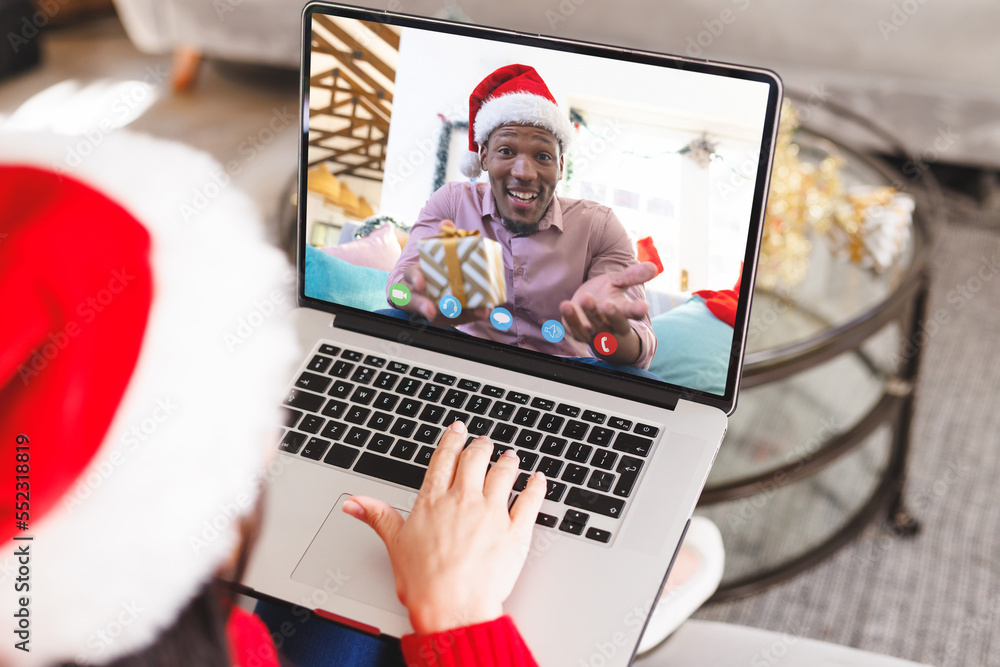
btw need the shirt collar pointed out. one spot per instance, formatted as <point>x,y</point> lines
<point>552,218</point>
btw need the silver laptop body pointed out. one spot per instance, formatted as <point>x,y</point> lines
<point>581,599</point>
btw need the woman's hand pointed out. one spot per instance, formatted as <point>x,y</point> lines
<point>457,556</point>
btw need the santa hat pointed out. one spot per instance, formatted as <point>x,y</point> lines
<point>511,94</point>
<point>143,350</point>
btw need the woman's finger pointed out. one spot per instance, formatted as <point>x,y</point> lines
<point>444,461</point>
<point>472,466</point>
<point>500,480</point>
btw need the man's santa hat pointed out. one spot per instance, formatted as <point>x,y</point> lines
<point>142,352</point>
<point>511,94</point>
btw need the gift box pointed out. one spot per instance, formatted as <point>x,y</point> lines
<point>465,265</point>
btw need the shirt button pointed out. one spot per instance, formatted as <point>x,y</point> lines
<point>520,272</point>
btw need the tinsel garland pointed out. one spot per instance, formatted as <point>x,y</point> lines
<point>444,147</point>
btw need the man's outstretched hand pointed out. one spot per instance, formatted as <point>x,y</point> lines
<point>602,305</point>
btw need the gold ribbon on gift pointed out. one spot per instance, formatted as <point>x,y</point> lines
<point>451,235</point>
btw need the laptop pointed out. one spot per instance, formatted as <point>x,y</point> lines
<point>679,151</point>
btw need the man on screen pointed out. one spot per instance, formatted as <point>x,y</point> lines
<point>565,260</point>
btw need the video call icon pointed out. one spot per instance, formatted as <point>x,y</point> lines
<point>553,331</point>
<point>449,306</point>
<point>501,318</point>
<point>399,294</point>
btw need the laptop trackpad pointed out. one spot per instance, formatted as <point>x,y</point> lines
<point>347,558</point>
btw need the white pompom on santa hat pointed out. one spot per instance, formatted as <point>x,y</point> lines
<point>511,94</point>
<point>142,355</point>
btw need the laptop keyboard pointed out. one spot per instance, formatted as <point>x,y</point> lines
<point>382,418</point>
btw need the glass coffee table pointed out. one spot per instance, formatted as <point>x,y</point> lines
<point>817,448</point>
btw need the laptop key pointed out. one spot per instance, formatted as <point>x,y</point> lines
<point>551,423</point>
<point>427,434</point>
<point>329,349</point>
<point>363,395</point>
<point>568,410</point>
<point>594,502</point>
<point>646,430</point>
<point>432,413</point>
<point>335,409</point>
<point>454,416</point>
<point>315,448</point>
<point>424,455</point>
<point>292,442</point>
<point>527,459</point>
<point>403,428</point>
<point>503,432</point>
<point>595,417</point>
<point>341,456</point>
<point>517,397</point>
<point>604,458</point>
<point>431,392</point>
<point>409,387</point>
<point>380,421</point>
<point>390,470</point>
<point>553,445</point>
<point>620,424</point>
<point>340,389</point>
<point>454,399</point>
<point>601,481</point>
<point>528,439</point>
<point>526,417</point>
<point>632,444</point>
<point>543,404</point>
<point>334,430</point>
<point>574,522</point>
<point>468,385</point>
<point>404,449</point>
<point>445,379</point>
<point>397,367</point>
<point>495,392</point>
<point>421,373</point>
<point>290,417</point>
<point>319,363</point>
<point>386,380</point>
<point>554,490</point>
<point>600,436</point>
<point>377,362</point>
<point>409,407</point>
<point>303,400</point>
<point>357,436</point>
<point>575,430</point>
<point>599,535</point>
<point>628,473</point>
<point>480,425</point>
<point>498,451</point>
<point>351,355</point>
<point>550,467</point>
<point>579,452</point>
<point>357,414</point>
<point>575,474</point>
<point>502,410</point>
<point>478,405</point>
<point>380,443</point>
<point>546,520</point>
<point>363,374</point>
<point>386,401</point>
<point>522,481</point>
<point>341,369</point>
<point>311,424</point>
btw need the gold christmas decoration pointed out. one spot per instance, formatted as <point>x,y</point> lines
<point>868,226</point>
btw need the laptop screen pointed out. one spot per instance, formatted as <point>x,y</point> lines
<point>602,210</point>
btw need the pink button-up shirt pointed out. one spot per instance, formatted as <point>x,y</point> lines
<point>576,240</point>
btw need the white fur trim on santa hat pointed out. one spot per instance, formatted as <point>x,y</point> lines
<point>526,109</point>
<point>156,512</point>
<point>470,165</point>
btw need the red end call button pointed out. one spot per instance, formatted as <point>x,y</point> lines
<point>605,344</point>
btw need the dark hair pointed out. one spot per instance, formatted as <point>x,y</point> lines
<point>196,639</point>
